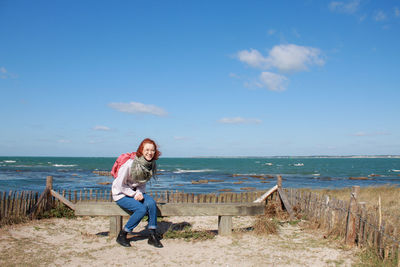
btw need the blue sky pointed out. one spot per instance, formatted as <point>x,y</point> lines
<point>202,78</point>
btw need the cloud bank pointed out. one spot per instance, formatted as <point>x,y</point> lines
<point>137,108</point>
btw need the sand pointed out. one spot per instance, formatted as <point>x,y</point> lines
<point>84,241</point>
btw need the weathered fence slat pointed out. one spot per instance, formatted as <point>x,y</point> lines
<point>285,201</point>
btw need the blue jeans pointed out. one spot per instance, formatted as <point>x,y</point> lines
<point>140,209</point>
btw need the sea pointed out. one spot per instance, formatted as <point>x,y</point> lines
<point>204,175</point>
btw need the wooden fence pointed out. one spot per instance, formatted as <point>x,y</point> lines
<point>17,205</point>
<point>349,220</point>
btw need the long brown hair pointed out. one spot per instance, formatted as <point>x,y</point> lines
<point>139,151</point>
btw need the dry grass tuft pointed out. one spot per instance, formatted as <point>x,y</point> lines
<point>269,222</point>
<point>265,225</point>
<point>188,234</point>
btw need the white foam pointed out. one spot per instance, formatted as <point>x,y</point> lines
<point>298,164</point>
<point>9,161</point>
<point>268,164</point>
<point>64,165</point>
<point>193,171</point>
<point>393,170</point>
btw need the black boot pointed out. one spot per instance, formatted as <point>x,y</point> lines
<point>154,239</point>
<point>122,240</point>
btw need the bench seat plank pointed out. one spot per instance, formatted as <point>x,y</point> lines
<point>174,209</point>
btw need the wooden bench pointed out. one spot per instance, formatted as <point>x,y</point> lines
<point>224,211</point>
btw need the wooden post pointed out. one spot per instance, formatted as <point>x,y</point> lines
<point>49,187</point>
<point>277,196</point>
<point>363,217</point>
<point>332,219</point>
<point>351,218</point>
<point>115,225</point>
<point>224,225</point>
<point>325,212</point>
<point>49,182</point>
<point>279,181</point>
<point>379,213</point>
<point>285,203</point>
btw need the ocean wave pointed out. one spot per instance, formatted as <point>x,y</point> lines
<point>298,164</point>
<point>393,170</point>
<point>192,171</point>
<point>9,161</point>
<point>65,165</point>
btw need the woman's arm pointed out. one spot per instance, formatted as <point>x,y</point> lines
<point>122,180</point>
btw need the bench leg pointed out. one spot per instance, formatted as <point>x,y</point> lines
<point>224,225</point>
<point>115,225</point>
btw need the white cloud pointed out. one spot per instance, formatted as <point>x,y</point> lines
<point>64,141</point>
<point>284,58</point>
<point>101,128</point>
<point>239,120</point>
<point>287,58</point>
<point>380,16</point>
<point>348,7</point>
<point>252,58</point>
<point>397,12</point>
<point>271,32</point>
<point>274,82</point>
<point>293,57</point>
<point>136,107</point>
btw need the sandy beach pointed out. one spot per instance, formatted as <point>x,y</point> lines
<point>84,241</point>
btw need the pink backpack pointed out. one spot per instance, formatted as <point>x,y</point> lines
<point>120,161</point>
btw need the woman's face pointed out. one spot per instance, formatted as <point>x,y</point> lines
<point>148,151</point>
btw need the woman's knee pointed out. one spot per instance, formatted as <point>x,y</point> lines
<point>150,201</point>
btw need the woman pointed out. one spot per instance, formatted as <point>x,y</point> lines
<point>129,187</point>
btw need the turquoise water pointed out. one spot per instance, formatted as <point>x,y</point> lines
<point>29,173</point>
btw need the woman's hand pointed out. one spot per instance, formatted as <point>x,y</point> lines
<point>138,196</point>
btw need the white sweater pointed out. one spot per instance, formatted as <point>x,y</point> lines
<point>122,187</point>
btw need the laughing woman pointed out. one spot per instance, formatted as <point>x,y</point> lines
<point>129,191</point>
